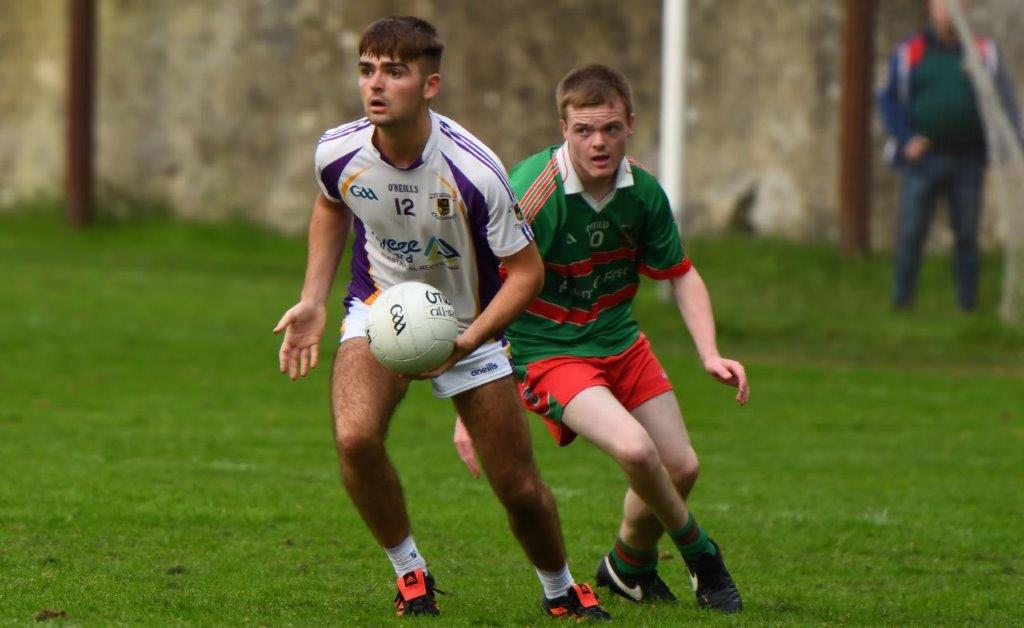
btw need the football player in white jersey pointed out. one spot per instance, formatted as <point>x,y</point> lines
<point>426,202</point>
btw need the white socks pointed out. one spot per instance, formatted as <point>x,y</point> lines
<point>405,557</point>
<point>555,583</point>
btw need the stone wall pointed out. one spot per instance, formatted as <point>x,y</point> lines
<point>32,76</point>
<point>212,107</point>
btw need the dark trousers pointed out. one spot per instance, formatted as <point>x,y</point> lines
<point>957,177</point>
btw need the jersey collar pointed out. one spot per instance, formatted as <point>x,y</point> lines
<point>571,181</point>
<point>428,150</point>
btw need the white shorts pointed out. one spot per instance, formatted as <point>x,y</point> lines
<point>489,362</point>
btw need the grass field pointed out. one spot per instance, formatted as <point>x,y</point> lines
<point>157,470</point>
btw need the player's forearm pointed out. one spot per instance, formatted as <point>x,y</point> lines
<point>523,282</point>
<point>695,305</point>
<point>328,230</point>
<point>514,297</point>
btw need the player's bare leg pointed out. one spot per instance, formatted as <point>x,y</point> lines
<point>640,529</point>
<point>364,394</point>
<point>597,415</point>
<point>494,419</point>
<point>496,423</point>
<point>629,571</point>
<point>663,420</point>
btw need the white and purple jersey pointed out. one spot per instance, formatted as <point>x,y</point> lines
<point>445,220</point>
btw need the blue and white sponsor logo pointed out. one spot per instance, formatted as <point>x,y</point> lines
<point>399,247</point>
<point>435,253</point>
<point>363,192</point>
<point>490,366</point>
<point>437,249</point>
<point>403,251</point>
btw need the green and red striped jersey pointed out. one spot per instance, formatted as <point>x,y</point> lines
<point>594,253</point>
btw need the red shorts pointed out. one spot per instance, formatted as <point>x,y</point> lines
<point>633,376</point>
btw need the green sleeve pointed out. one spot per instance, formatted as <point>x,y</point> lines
<point>662,255</point>
<point>545,226</point>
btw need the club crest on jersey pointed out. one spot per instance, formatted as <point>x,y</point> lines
<point>442,206</point>
<point>437,250</point>
<point>518,212</point>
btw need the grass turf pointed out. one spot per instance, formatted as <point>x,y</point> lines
<point>157,469</point>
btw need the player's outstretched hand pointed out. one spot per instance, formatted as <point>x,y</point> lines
<point>303,325</point>
<point>460,351</point>
<point>730,372</point>
<point>464,447</point>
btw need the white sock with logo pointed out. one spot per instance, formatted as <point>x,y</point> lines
<point>555,583</point>
<point>405,557</point>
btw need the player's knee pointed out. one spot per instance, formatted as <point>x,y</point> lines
<point>638,455</point>
<point>520,489</point>
<point>684,474</point>
<point>355,445</point>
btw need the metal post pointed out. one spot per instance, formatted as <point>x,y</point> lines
<point>673,104</point>
<point>81,73</point>
<point>855,136</point>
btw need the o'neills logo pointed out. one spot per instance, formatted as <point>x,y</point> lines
<point>403,187</point>
<point>491,366</point>
<point>433,296</point>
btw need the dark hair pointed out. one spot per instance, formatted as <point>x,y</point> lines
<point>404,38</point>
<point>593,85</point>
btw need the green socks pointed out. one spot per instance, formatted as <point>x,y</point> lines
<point>692,540</point>
<point>632,561</point>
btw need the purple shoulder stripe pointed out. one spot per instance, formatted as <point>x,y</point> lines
<point>481,155</point>
<point>361,285</point>
<point>329,133</point>
<point>477,211</point>
<point>348,129</point>
<point>331,173</point>
<point>475,148</point>
<point>343,128</point>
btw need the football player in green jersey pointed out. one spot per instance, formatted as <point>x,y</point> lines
<point>582,363</point>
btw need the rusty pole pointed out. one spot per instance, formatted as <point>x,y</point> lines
<point>81,73</point>
<point>855,135</point>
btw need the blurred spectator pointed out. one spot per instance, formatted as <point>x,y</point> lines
<point>938,142</point>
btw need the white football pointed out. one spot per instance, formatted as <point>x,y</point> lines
<point>411,327</point>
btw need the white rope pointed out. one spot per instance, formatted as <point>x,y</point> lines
<point>1006,161</point>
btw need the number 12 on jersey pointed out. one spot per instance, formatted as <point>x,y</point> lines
<point>403,207</point>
